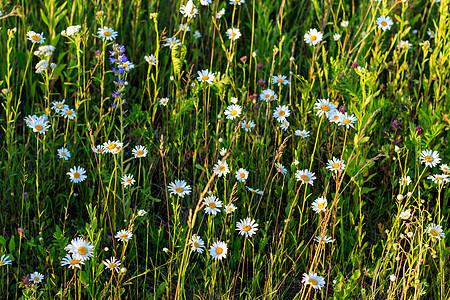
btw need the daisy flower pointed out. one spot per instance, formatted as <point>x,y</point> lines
<point>107,33</point>
<point>247,227</point>
<point>112,264</point>
<point>184,27</point>
<point>139,151</point>
<point>80,249</point>
<point>124,235</point>
<point>404,45</point>
<point>172,42</point>
<point>435,231</point>
<point>218,250</point>
<point>324,106</point>
<point>257,191</point>
<point>64,153</point>
<point>189,10</point>
<point>221,169</point>
<point>39,125</point>
<point>100,149</point>
<point>223,151</point>
<point>281,79</point>
<point>313,37</point>
<point>336,37</point>
<point>284,125</point>
<point>141,213</point>
<point>303,133</point>
<point>36,37</point>
<point>241,175</point>
<point>237,2</point>
<point>319,205</point>
<point>76,174</point>
<point>347,120</point>
<point>212,204</point>
<point>163,101</point>
<point>344,23</point>
<point>317,282</point>
<point>113,146</point>
<point>220,13</point>
<point>68,113</point>
<point>205,76</point>
<point>247,126</point>
<point>233,111</point>
<point>333,116</point>
<point>151,59</point>
<point>444,168</point>
<point>335,165</point>
<point>230,208</point>
<point>127,66</point>
<point>430,158</point>
<point>128,179</point>
<point>405,180</point>
<point>4,260</point>
<point>384,22</point>
<point>268,95</point>
<point>281,169</point>
<point>180,188</point>
<point>281,113</point>
<point>58,106</point>
<point>438,179</point>
<point>71,262</point>
<point>324,239</point>
<point>405,215</point>
<point>233,34</point>
<point>197,35</point>
<point>36,277</point>
<point>197,244</point>
<point>305,176</point>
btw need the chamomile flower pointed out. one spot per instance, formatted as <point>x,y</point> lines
<point>233,111</point>
<point>444,168</point>
<point>233,34</point>
<point>285,125</point>
<point>320,204</point>
<point>163,101</point>
<point>405,215</point>
<point>4,260</point>
<point>58,106</point>
<point>313,37</point>
<point>303,133</point>
<point>107,33</point>
<point>197,244</point>
<point>257,191</point>
<point>404,45</point>
<point>430,158</point>
<point>124,235</point>
<point>68,113</point>
<point>405,180</point>
<point>151,59</point>
<point>128,179</point>
<point>247,227</point>
<point>241,175</point>
<point>221,168</point>
<point>247,126</point>
<point>139,151</point>
<point>344,23</point>
<point>223,151</point>
<point>141,213</point>
<point>281,169</point>
<point>347,120</point>
<point>230,208</point>
<point>112,146</point>
<point>334,116</point>
<point>384,22</point>
<point>179,188</point>
<point>317,282</point>
<point>80,249</point>
<point>280,80</point>
<point>281,112</point>
<point>205,76</point>
<point>71,262</point>
<point>212,205</point>
<point>189,10</point>
<point>127,66</point>
<point>76,174</point>
<point>324,239</point>
<point>99,149</point>
<point>36,37</point>
<point>172,42</point>
<point>324,106</point>
<point>237,2</point>
<point>438,179</point>
<point>64,153</point>
<point>335,165</point>
<point>268,95</point>
<point>305,176</point>
<point>112,264</point>
<point>38,124</point>
<point>336,37</point>
<point>435,231</point>
<point>218,250</point>
<point>36,277</point>
<point>197,35</point>
<point>220,13</point>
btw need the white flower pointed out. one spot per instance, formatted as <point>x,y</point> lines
<point>324,239</point>
<point>212,205</point>
<point>303,133</point>
<point>163,101</point>
<point>435,231</point>
<point>72,262</point>
<point>128,179</point>
<point>285,125</point>
<point>335,165</point>
<point>405,180</point>
<point>205,76</point>
<point>281,113</point>
<point>107,33</point>
<point>336,36</point>
<point>180,188</point>
<point>430,158</point>
<point>112,264</point>
<point>404,45</point>
<point>444,168</point>
<point>36,277</point>
<point>76,174</point>
<point>247,227</point>
<point>317,282</point>
<point>41,66</point>
<point>247,126</point>
<point>197,34</point>
<point>80,249</point>
<point>233,111</point>
<point>281,169</point>
<point>347,120</point>
<point>36,37</point>
<point>392,277</point>
<point>237,2</point>
<point>344,23</point>
<point>281,79</point>
<point>151,59</point>
<point>189,10</point>
<point>141,213</point>
<point>139,151</point>
<point>197,244</point>
<point>405,215</point>
<point>218,250</point>
<point>268,95</point>
<point>241,175</point>
<point>400,197</point>
<point>220,13</point>
<point>124,235</point>
<point>223,151</point>
<point>439,179</point>
<point>230,208</point>
<point>221,168</point>
<point>71,30</point>
<point>324,106</point>
<point>233,34</point>
<point>205,2</point>
<point>319,205</point>
<point>64,153</point>
<point>172,42</point>
<point>384,22</point>
<point>305,176</point>
<point>184,27</point>
<point>313,37</point>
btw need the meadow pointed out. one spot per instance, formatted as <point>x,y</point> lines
<point>238,149</point>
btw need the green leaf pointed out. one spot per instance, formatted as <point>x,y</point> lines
<point>178,54</point>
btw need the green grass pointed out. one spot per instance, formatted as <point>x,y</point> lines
<point>398,91</point>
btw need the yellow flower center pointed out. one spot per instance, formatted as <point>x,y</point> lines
<point>179,189</point>
<point>242,175</point>
<point>272,97</point>
<point>129,180</point>
<point>233,34</point>
<point>321,205</point>
<point>38,127</point>
<point>246,228</point>
<point>304,177</point>
<point>219,250</point>
<point>125,65</point>
<point>111,146</point>
<point>124,236</point>
<point>36,278</point>
<point>433,232</point>
<point>59,105</point>
<point>233,112</point>
<point>280,80</point>
<point>383,23</point>
<point>100,151</point>
<point>76,175</point>
<point>172,43</point>
<point>1,263</point>
<point>429,158</point>
<point>222,168</point>
<point>68,112</point>
<point>325,107</point>
<point>312,281</point>
<point>313,38</point>
<point>281,113</point>
<point>140,152</point>
<point>196,245</point>
<point>107,33</point>
<point>212,205</point>
<point>82,250</point>
<point>247,126</point>
<point>439,178</point>
<point>346,121</point>
<point>63,153</point>
<point>335,166</point>
<point>205,77</point>
<point>36,38</point>
<point>74,261</point>
<point>267,96</point>
<point>336,117</point>
<point>112,265</point>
